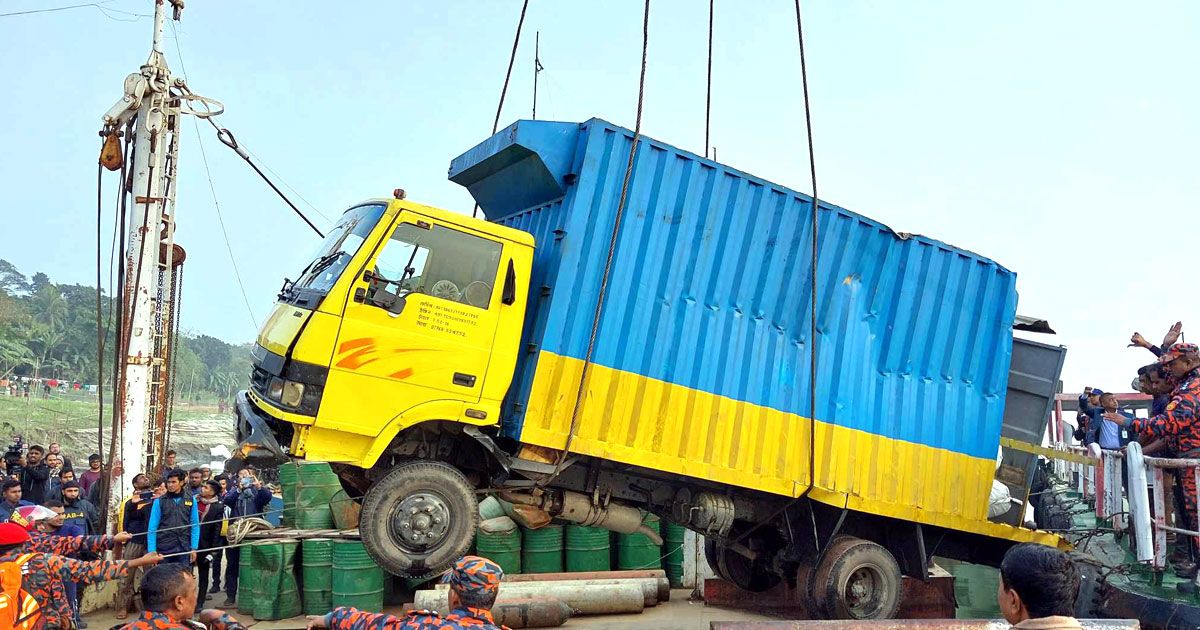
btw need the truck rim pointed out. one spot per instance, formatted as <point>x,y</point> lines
<point>864,591</point>
<point>420,521</point>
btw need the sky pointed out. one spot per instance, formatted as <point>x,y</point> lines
<point>1057,138</point>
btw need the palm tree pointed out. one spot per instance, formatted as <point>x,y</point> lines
<point>13,354</point>
<point>49,307</point>
<point>43,340</point>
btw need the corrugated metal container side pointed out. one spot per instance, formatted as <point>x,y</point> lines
<point>702,357</point>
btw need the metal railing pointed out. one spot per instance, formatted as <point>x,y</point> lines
<point>1098,474</point>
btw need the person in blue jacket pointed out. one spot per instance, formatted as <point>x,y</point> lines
<point>174,525</point>
<point>11,499</point>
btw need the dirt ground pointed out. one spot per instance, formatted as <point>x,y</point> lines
<point>677,614</point>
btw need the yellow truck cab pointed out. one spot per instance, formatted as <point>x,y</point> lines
<point>406,314</point>
<point>630,332</point>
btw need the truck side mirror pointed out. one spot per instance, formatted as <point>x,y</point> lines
<point>509,296</point>
<point>378,295</point>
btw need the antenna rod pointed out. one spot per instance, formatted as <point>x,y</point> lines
<point>537,68</point>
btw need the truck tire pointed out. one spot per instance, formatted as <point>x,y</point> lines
<point>737,569</point>
<point>1091,586</point>
<point>857,579</point>
<point>419,519</point>
<point>806,579</point>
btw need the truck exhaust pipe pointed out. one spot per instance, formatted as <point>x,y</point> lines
<point>579,509</point>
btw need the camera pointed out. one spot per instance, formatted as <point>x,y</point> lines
<point>13,455</point>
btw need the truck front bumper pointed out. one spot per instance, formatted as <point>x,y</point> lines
<point>257,444</point>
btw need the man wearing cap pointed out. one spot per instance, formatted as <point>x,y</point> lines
<point>474,584</point>
<point>80,511</point>
<point>42,574</point>
<point>1180,421</point>
<point>1108,434</point>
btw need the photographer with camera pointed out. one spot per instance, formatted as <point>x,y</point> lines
<point>247,497</point>
<point>35,475</point>
<point>13,456</point>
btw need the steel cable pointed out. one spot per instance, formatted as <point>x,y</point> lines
<point>507,76</point>
<point>612,248</point>
<point>708,84</point>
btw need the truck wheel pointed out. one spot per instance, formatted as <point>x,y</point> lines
<point>1091,586</point>
<point>857,579</point>
<point>737,569</point>
<point>806,575</point>
<point>419,519</point>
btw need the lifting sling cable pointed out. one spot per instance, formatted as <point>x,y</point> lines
<point>708,82</point>
<point>507,75</point>
<point>812,330</point>
<point>612,246</point>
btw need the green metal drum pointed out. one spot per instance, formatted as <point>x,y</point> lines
<point>499,540</point>
<point>673,548</point>
<point>315,484</point>
<point>317,573</point>
<point>587,548</point>
<point>357,581</point>
<point>288,474</point>
<point>278,596</point>
<point>542,550</point>
<point>635,551</point>
<point>248,579</point>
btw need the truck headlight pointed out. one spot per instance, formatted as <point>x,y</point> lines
<point>275,389</point>
<point>292,394</point>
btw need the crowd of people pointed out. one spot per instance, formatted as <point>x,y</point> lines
<point>1170,430</point>
<point>170,516</point>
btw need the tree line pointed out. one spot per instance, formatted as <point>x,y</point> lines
<point>48,330</point>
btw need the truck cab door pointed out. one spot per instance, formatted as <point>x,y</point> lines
<point>418,326</point>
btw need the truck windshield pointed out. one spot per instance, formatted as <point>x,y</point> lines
<point>339,246</point>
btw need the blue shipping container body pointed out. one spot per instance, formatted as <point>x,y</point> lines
<point>702,354</point>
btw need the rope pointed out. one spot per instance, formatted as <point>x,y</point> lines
<point>656,564</point>
<point>99,310</point>
<point>511,60</point>
<point>233,520</point>
<point>221,221</point>
<point>213,190</point>
<point>812,166</point>
<point>612,247</point>
<point>239,529</point>
<point>118,229</point>
<point>708,91</point>
<point>507,76</point>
